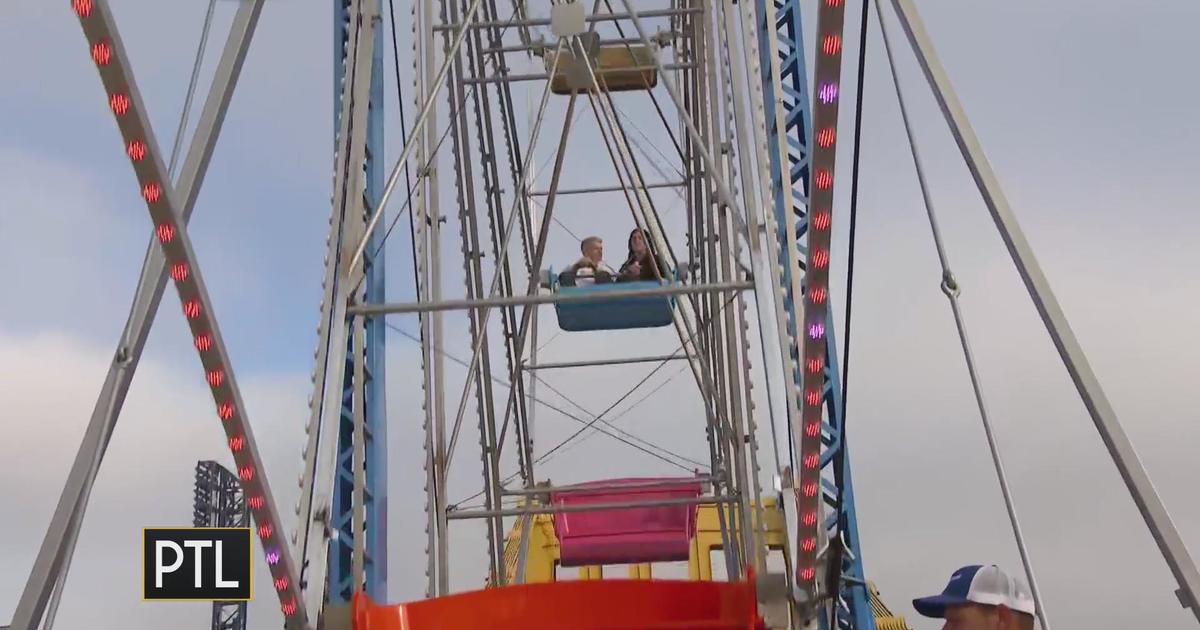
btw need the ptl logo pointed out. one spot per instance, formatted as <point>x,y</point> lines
<point>210,564</point>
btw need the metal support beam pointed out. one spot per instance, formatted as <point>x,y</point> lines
<point>372,542</point>
<point>472,255</point>
<point>433,215</point>
<point>1103,415</point>
<point>592,507</point>
<point>854,605</point>
<point>951,289</point>
<point>745,65</point>
<point>528,327</point>
<point>814,346</point>
<point>572,364</point>
<point>411,142</point>
<point>539,47</point>
<point>59,540</point>
<point>598,17</point>
<point>497,276</point>
<point>617,188</point>
<point>445,454</point>
<point>710,202</point>
<point>710,162</point>
<point>434,493</point>
<point>490,143</point>
<point>788,124</point>
<point>545,490</point>
<point>520,78</point>
<point>99,29</point>
<point>521,300</point>
<point>358,455</point>
<point>516,408</point>
<point>328,538</point>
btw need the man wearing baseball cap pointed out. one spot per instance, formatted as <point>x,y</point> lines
<point>980,598</point>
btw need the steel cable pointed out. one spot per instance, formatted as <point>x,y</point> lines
<point>951,289</point>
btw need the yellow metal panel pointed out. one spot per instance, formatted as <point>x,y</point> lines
<point>591,573</point>
<point>618,69</point>
<point>543,550</point>
<point>543,558</point>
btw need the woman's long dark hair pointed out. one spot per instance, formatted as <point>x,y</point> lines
<point>651,263</point>
<point>631,257</point>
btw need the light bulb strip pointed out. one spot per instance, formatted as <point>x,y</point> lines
<point>827,91</point>
<point>107,52</point>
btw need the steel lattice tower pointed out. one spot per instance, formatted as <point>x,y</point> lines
<point>218,501</point>
<point>341,549</point>
<point>789,124</point>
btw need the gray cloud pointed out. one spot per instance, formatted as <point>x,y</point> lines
<point>166,426</point>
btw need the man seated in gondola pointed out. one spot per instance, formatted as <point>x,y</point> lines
<point>591,268</point>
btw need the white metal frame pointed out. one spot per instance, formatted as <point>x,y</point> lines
<point>1103,415</point>
<point>58,543</point>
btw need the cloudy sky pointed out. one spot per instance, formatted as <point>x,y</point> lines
<point>1084,109</point>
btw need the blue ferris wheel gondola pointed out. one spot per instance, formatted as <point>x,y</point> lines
<point>617,314</point>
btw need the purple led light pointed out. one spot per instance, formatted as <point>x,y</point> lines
<point>816,330</point>
<point>273,558</point>
<point>828,93</point>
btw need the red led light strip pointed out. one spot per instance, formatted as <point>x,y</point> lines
<point>107,53</point>
<point>826,92</point>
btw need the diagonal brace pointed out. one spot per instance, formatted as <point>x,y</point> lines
<point>101,33</point>
<point>59,541</point>
<point>1136,479</point>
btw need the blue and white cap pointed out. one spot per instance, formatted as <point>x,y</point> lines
<point>977,584</point>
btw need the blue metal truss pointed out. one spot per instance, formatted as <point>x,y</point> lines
<point>341,549</point>
<point>854,610</point>
<point>780,27</point>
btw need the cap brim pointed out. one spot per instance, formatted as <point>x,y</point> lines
<point>935,605</point>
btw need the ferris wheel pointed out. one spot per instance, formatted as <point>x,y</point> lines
<point>740,138</point>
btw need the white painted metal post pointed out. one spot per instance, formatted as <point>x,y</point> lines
<point>1105,418</point>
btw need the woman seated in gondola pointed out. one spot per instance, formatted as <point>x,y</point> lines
<point>623,312</point>
<point>641,263</point>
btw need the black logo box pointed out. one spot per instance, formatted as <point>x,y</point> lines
<point>192,569</point>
